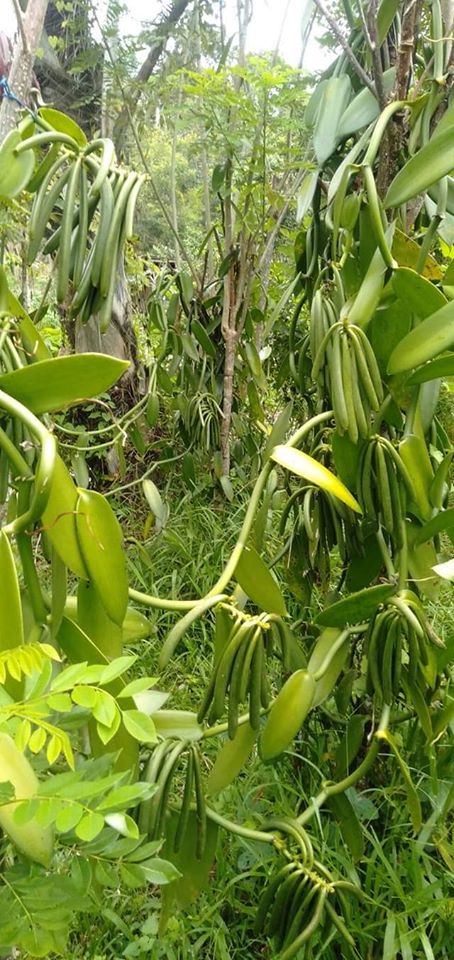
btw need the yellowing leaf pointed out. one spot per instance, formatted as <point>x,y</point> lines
<point>406,251</point>
<point>305,466</point>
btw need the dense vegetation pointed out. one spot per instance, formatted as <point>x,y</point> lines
<point>227,322</point>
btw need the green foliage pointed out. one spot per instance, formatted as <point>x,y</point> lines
<point>334,669</point>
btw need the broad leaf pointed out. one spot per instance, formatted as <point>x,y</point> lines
<point>231,758</point>
<point>430,338</point>
<point>418,294</point>
<point>61,381</point>
<point>101,544</point>
<point>15,169</point>
<point>433,161</point>
<point>258,583</point>
<point>364,108</point>
<point>358,606</point>
<point>63,124</point>
<point>441,367</point>
<point>59,519</point>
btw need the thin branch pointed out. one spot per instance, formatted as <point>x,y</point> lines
<point>346,47</point>
<point>375,51</point>
<point>20,23</point>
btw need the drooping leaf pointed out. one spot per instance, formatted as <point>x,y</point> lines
<point>334,99</point>
<point>258,583</point>
<point>349,825</point>
<point>101,544</point>
<point>11,621</point>
<point>231,758</point>
<point>364,108</point>
<point>279,430</point>
<point>305,466</point>
<point>306,194</point>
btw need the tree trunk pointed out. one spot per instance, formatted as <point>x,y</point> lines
<point>21,73</point>
<point>163,32</point>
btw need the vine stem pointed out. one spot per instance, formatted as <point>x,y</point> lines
<point>331,789</point>
<point>380,128</point>
<point>248,832</point>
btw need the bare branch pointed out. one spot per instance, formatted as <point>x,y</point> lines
<point>361,73</point>
<point>20,24</point>
<point>375,51</point>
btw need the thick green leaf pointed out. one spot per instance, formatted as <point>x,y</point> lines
<point>364,108</point>
<point>56,383</point>
<point>433,161</point>
<point>305,466</point>
<point>322,648</point>
<point>335,97</point>
<point>279,430</point>
<point>385,16</point>
<point>442,521</point>
<point>306,194</point>
<point>366,301</point>
<point>418,294</point>
<point>441,367</point>
<point>258,583</point>
<point>64,124</point>
<point>350,745</point>
<point>287,714</point>
<point>366,561</point>
<point>358,606</point>
<point>94,621</point>
<point>59,519</point>
<point>346,457</point>
<point>77,645</point>
<point>314,103</point>
<point>15,169</point>
<point>430,338</point>
<point>11,622</point>
<point>231,758</point>
<point>349,825</point>
<point>101,544</point>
